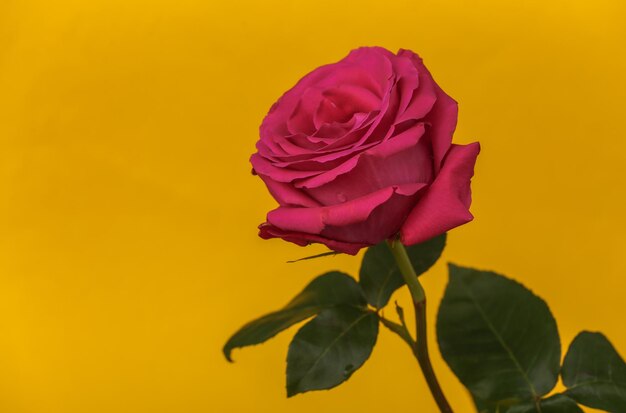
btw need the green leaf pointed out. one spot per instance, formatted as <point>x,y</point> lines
<point>323,254</point>
<point>327,290</point>
<point>328,349</point>
<point>558,403</point>
<point>380,275</point>
<point>484,407</point>
<point>594,373</point>
<point>492,407</point>
<point>497,336</point>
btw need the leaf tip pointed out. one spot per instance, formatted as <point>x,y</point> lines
<point>587,333</point>
<point>452,265</point>
<point>453,268</point>
<point>227,351</point>
<point>292,391</point>
<point>324,254</point>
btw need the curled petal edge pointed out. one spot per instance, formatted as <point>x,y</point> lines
<point>445,204</point>
<point>269,231</point>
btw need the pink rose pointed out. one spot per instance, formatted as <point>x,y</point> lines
<point>360,151</point>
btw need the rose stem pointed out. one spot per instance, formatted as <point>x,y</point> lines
<point>420,349</point>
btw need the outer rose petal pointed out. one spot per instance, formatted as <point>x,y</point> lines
<point>268,231</point>
<point>366,220</point>
<point>444,113</point>
<point>264,167</point>
<point>445,205</point>
<point>287,195</point>
<point>443,118</point>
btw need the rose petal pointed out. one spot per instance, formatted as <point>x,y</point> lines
<point>314,220</point>
<point>264,167</point>
<point>409,138</point>
<point>329,133</point>
<point>342,102</point>
<point>275,122</point>
<point>375,61</point>
<point>384,221</point>
<point>350,221</point>
<point>407,81</point>
<point>286,195</point>
<point>418,102</point>
<point>445,204</point>
<point>289,153</point>
<point>324,162</point>
<point>367,67</point>
<point>268,231</point>
<point>301,119</point>
<point>442,117</point>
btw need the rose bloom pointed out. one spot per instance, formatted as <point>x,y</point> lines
<point>360,151</point>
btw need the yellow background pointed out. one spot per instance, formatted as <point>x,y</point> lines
<point>128,214</point>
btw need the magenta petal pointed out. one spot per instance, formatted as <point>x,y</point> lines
<point>408,80</point>
<point>353,221</point>
<point>422,99</point>
<point>314,220</point>
<point>275,122</point>
<point>264,167</point>
<point>301,119</point>
<point>403,159</point>
<point>375,63</point>
<point>286,195</point>
<point>417,168</point>
<point>443,115</point>
<point>268,231</point>
<point>383,222</point>
<point>445,205</point>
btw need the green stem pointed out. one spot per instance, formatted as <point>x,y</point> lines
<point>420,346</point>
